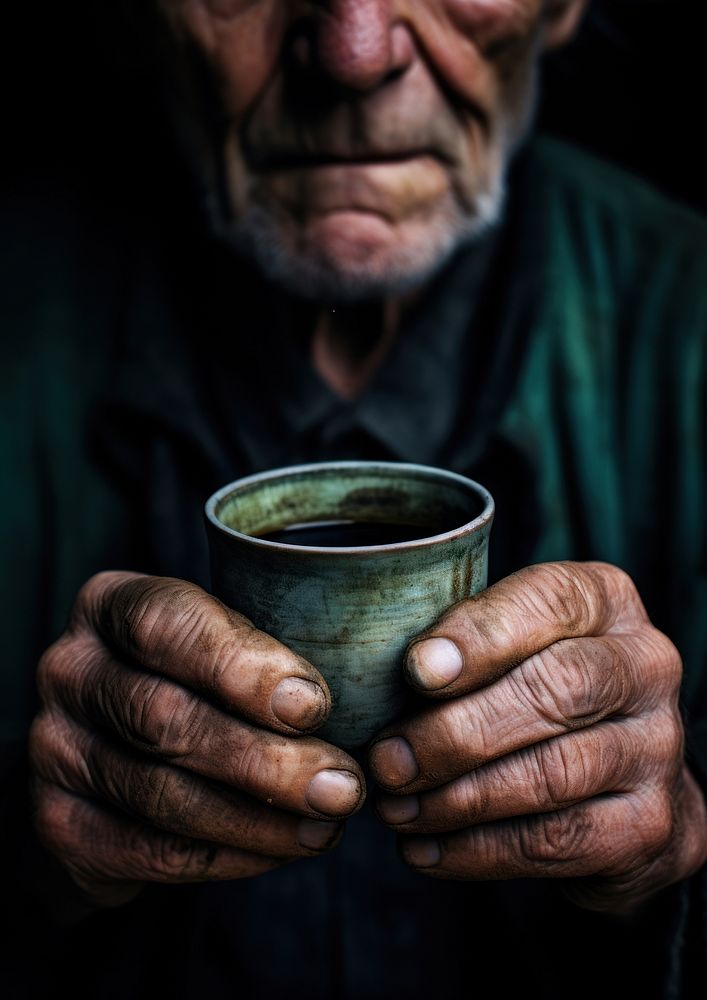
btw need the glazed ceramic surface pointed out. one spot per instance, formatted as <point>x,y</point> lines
<point>350,611</point>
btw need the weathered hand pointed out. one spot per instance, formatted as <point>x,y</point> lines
<point>169,748</point>
<point>560,751</point>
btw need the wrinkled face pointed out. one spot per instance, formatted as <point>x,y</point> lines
<point>361,141</point>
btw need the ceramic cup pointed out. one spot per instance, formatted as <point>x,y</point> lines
<point>350,610</point>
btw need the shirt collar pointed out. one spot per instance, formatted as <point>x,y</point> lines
<point>247,398</point>
<point>413,400</point>
<point>410,405</point>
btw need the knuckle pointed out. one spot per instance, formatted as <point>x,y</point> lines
<point>92,591</point>
<point>156,792</point>
<point>552,837</point>
<point>656,825</point>
<point>606,666</point>
<point>454,719</point>
<point>138,613</point>
<point>462,719</point>
<point>143,611</point>
<point>674,739</point>
<point>562,593</point>
<point>164,718</point>
<point>665,740</point>
<point>176,857</point>
<point>57,752</point>
<point>575,682</point>
<point>465,798</point>
<point>53,821</point>
<point>562,688</point>
<point>556,689</point>
<point>112,779</point>
<point>667,659</point>
<point>103,592</point>
<point>232,660</point>
<point>618,591</point>
<point>617,579</point>
<point>142,789</point>
<point>618,756</point>
<point>143,715</point>
<point>162,619</point>
<point>184,725</point>
<point>54,668</point>
<point>40,742</point>
<point>249,765</point>
<point>565,773</point>
<point>191,628</point>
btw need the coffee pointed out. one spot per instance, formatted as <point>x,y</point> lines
<point>350,533</point>
<point>373,553</point>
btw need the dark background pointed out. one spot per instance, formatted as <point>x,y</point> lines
<point>632,87</point>
<point>77,80</point>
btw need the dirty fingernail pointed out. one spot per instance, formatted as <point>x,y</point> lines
<point>334,792</point>
<point>434,663</point>
<point>315,834</point>
<point>401,810</point>
<point>394,762</point>
<point>298,703</point>
<point>423,852</point>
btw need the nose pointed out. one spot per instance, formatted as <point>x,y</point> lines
<point>355,43</point>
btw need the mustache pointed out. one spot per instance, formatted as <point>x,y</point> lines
<point>289,159</point>
<point>352,134</point>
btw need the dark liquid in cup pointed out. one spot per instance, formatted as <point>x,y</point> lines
<point>347,534</point>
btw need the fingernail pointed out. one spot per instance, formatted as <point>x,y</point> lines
<point>315,834</point>
<point>398,810</point>
<point>394,762</point>
<point>423,852</point>
<point>334,792</point>
<point>298,703</point>
<point>434,663</point>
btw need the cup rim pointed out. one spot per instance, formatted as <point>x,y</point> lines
<point>469,527</point>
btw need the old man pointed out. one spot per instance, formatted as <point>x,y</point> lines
<point>370,258</point>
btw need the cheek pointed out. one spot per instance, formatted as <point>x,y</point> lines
<point>240,39</point>
<point>221,9</point>
<point>227,9</point>
<point>488,21</point>
<point>479,46</point>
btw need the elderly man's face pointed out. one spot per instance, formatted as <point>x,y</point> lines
<point>364,140</point>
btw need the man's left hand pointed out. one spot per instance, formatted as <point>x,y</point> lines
<point>557,749</point>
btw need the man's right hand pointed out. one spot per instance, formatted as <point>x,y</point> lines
<point>169,747</point>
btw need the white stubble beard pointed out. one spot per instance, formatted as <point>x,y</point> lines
<point>261,233</point>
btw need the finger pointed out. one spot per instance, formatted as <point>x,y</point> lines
<point>156,716</point>
<point>623,891</point>
<point>571,685</point>
<point>101,848</point>
<point>609,757</point>
<point>179,631</point>
<point>480,639</point>
<point>607,835</point>
<point>168,797</point>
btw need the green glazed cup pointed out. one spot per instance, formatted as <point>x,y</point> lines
<point>350,611</point>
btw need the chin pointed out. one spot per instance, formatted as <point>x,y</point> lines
<point>354,257</point>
